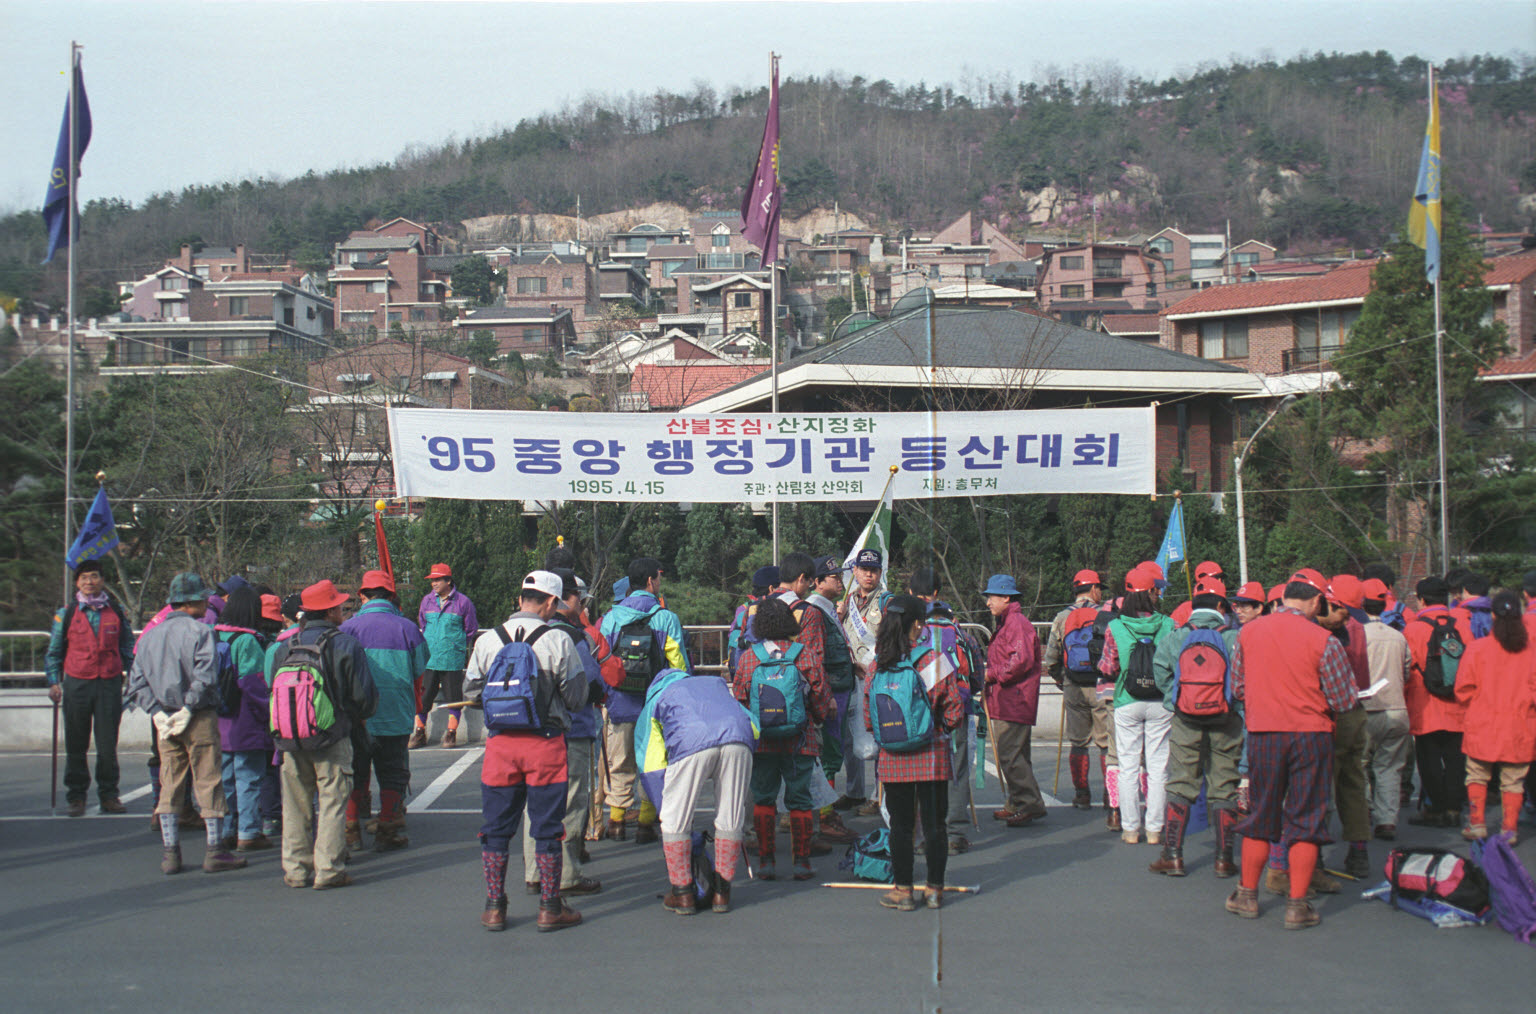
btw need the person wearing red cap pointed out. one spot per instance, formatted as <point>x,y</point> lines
<point>1206,737</point>
<point>1387,740</point>
<point>1495,680</point>
<point>1248,602</point>
<point>1141,721</point>
<point>447,620</point>
<point>1292,678</point>
<point>397,656</point>
<point>1437,723</point>
<point>1088,718</point>
<point>317,772</point>
<point>1345,619</point>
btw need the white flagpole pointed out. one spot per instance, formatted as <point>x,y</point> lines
<point>1445,489</point>
<point>69,349</point>
<point>772,257</point>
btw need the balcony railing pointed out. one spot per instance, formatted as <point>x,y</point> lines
<point>1307,358</point>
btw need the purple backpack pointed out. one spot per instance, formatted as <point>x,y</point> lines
<point>1510,888</point>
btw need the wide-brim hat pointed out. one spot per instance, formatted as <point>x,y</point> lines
<point>377,579</point>
<point>187,587</point>
<point>1001,584</point>
<point>272,608</point>
<point>321,596</point>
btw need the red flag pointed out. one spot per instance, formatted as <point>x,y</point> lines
<point>760,204</point>
<point>383,544</point>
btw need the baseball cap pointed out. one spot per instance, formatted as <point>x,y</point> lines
<point>569,582</point>
<point>1159,579</point>
<point>826,566</point>
<point>1308,576</point>
<point>1376,589</point>
<point>320,596</point>
<point>1250,592</point>
<point>377,579</point>
<point>869,558</point>
<point>1277,593</point>
<point>544,582</point>
<point>1083,577</point>
<point>1347,590</point>
<point>1208,568</point>
<point>766,577</point>
<point>1139,579</point>
<point>439,570</point>
<point>1211,586</point>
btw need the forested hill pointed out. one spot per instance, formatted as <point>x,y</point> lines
<point>1320,149</point>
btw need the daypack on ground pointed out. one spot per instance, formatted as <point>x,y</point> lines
<point>1438,874</point>
<point>869,858</point>
<point>637,647</point>
<point>1078,657</point>
<point>899,710</point>
<point>777,696</point>
<point>1510,888</point>
<point>302,710</point>
<point>1442,656</point>
<point>228,681</point>
<point>510,698</point>
<point>1202,681</point>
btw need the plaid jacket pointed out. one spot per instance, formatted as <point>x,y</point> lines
<point>930,763</point>
<point>818,698</point>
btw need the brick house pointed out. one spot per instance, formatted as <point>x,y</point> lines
<point>525,329</point>
<point>619,280</point>
<point>386,280</point>
<point>1077,282</point>
<point>742,301</point>
<point>566,280</point>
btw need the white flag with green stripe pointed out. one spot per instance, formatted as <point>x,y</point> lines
<point>877,536</point>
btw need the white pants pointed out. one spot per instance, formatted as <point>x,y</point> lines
<point>1138,725</point>
<point>730,767</point>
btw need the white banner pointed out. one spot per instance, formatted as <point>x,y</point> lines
<point>482,455</point>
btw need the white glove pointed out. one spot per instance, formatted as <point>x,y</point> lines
<point>162,720</point>
<point>179,721</point>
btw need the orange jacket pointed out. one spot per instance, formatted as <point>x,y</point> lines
<point>1498,689</point>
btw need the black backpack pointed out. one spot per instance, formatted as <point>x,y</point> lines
<point>1140,679</point>
<point>636,647</point>
<point>1100,630</point>
<point>1442,656</point>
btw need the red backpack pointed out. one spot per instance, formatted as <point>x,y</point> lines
<point>1202,678</point>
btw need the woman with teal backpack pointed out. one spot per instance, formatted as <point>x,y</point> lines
<point>915,700</point>
<point>1142,722</point>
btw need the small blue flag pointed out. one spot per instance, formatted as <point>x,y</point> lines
<point>98,536</point>
<point>1172,549</point>
<point>56,210</point>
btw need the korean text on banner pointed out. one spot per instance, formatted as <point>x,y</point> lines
<point>655,457</point>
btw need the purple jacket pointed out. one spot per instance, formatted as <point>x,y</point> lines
<point>1014,669</point>
<point>247,728</point>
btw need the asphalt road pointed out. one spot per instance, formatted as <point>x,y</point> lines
<point>1067,919</point>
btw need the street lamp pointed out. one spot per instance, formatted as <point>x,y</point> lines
<point>1242,530</point>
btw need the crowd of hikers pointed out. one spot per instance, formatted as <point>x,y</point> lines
<point>1279,714</point>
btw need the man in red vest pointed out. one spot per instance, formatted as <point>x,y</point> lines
<point>1293,678</point>
<point>90,648</point>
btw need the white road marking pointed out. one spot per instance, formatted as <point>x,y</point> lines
<point>427,796</point>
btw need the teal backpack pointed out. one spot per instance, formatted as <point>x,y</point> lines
<point>778,694</point>
<point>900,714</point>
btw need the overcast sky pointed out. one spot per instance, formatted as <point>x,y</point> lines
<point>188,92</point>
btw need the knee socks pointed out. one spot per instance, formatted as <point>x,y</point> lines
<point>1303,865</point>
<point>647,812</point>
<point>727,851</point>
<point>1255,855</point>
<point>212,824</point>
<point>1512,801</point>
<point>495,864</point>
<point>550,864</point>
<point>170,830</point>
<point>678,849</point>
<point>1477,799</point>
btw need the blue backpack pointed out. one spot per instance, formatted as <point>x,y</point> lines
<point>510,698</point>
<point>900,714</point>
<point>777,695</point>
<point>869,858</point>
<point>228,681</point>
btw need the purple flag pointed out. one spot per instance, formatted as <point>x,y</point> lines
<point>760,204</point>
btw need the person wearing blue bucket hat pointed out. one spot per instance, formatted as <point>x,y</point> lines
<point>1014,668</point>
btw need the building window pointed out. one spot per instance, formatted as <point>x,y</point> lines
<point>239,306</point>
<point>175,310</point>
<point>933,271</point>
<point>419,313</point>
<point>720,239</point>
<point>425,292</point>
<point>670,268</point>
<point>288,315</point>
<point>1224,339</point>
<point>1106,267</point>
<point>1243,260</point>
<point>393,316</point>
<point>533,335</point>
<point>173,283</point>
<point>1322,333</point>
<point>973,271</point>
<point>379,288</point>
<point>1072,292</point>
<point>710,299</point>
<point>1071,264</point>
<point>532,286</point>
<point>1161,244</point>
<point>742,300</point>
<point>567,282</point>
<point>241,348</point>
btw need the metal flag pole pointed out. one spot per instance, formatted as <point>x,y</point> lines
<point>772,257</point>
<point>1445,489</point>
<point>69,348</point>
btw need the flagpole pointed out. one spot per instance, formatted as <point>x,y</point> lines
<point>772,257</point>
<point>1445,490</point>
<point>69,350</point>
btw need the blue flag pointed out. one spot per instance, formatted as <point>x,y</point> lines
<point>1172,549</point>
<point>56,209</point>
<point>98,536</point>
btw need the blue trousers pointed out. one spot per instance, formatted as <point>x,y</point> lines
<point>502,808</point>
<point>242,771</point>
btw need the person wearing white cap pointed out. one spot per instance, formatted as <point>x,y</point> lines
<point>525,762</point>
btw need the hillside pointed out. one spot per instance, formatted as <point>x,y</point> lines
<point>1319,150</point>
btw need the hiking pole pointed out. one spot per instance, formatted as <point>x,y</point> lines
<point>1061,729</point>
<point>455,704</point>
<point>856,885</point>
<point>53,777</point>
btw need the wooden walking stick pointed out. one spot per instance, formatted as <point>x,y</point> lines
<point>53,777</point>
<point>860,885</point>
<point>1061,730</point>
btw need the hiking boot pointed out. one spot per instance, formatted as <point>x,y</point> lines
<point>1131,837</point>
<point>1022,819</point>
<point>371,825</point>
<point>1299,914</point>
<point>1322,883</point>
<point>76,808</point>
<point>257,844</point>
<point>767,868</point>
<point>845,803</point>
<point>112,804</point>
<point>615,830</point>
<point>557,917</point>
<point>1112,819</point>
<point>1224,867</point>
<point>1170,863</point>
<point>1357,863</point>
<point>681,900</point>
<point>1244,902</point>
<point>899,898</point>
<point>272,827</point>
<point>722,902</point>
<point>450,739</point>
<point>1385,832</point>
<point>1082,800</point>
<point>419,739</point>
<point>354,835</point>
<point>958,845</point>
<point>820,847</point>
<point>1003,814</point>
<point>834,830</point>
<point>869,809</point>
<point>1154,837</point>
<point>933,897</point>
<point>219,862</point>
<point>582,855</point>
<point>803,871</point>
<point>582,885</point>
<point>340,880</point>
<point>390,836</point>
<point>170,860</point>
<point>494,918</point>
<point>1277,882</point>
<point>646,834</point>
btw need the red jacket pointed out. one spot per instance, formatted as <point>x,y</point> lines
<point>1498,689</point>
<point>1014,669</point>
<point>1426,712</point>
<point>1282,654</point>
